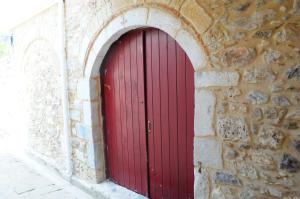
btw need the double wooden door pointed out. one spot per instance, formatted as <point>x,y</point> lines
<point>148,91</point>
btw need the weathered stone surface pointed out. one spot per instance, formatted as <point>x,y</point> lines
<point>233,129</point>
<point>274,115</point>
<point>248,193</point>
<point>296,7</point>
<point>257,75</point>
<point>257,97</point>
<point>292,195</point>
<point>296,144</point>
<point>232,92</point>
<point>249,171</point>
<point>208,152</point>
<point>271,137</point>
<point>289,163</point>
<point>213,78</point>
<point>276,87</point>
<point>201,184</point>
<point>254,128</point>
<point>196,15</point>
<point>257,114</point>
<point>263,159</point>
<point>294,73</point>
<point>87,89</point>
<point>263,34</point>
<point>285,35</point>
<point>275,192</point>
<point>227,179</point>
<point>238,56</point>
<point>204,112</point>
<point>280,101</point>
<point>294,114</point>
<point>272,56</point>
<point>237,107</point>
<point>296,98</point>
<point>291,125</point>
<point>252,22</point>
<point>231,153</point>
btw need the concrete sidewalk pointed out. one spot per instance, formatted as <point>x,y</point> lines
<point>20,181</point>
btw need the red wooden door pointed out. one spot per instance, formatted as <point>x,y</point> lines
<point>149,81</point>
<point>124,100</point>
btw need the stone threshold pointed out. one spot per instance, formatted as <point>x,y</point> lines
<point>106,190</point>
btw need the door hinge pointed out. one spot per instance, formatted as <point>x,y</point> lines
<point>149,126</point>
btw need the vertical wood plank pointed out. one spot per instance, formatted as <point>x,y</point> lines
<point>164,93</point>
<point>149,90</point>
<point>190,89</point>
<point>181,121</point>
<point>172,81</point>
<point>141,112</point>
<point>135,113</point>
<point>125,137</point>
<point>120,133</point>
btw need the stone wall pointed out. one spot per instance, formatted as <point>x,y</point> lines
<point>247,136</point>
<point>246,56</point>
<point>35,55</point>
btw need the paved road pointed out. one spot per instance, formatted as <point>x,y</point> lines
<point>19,181</point>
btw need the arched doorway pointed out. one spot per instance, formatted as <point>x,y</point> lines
<point>148,92</point>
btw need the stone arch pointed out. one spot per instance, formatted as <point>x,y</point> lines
<point>88,87</point>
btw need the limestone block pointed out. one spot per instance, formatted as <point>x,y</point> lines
<point>271,137</point>
<point>204,112</point>
<point>201,184</point>
<point>93,155</point>
<point>193,49</point>
<point>289,163</point>
<point>196,15</point>
<point>257,97</point>
<point>83,132</point>
<point>226,178</point>
<point>238,56</point>
<point>263,159</point>
<point>91,113</point>
<point>280,101</point>
<point>163,21</point>
<point>208,152</point>
<point>233,129</point>
<point>214,78</point>
<point>87,89</point>
<point>75,115</point>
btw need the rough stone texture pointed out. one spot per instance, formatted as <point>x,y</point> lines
<point>294,73</point>
<point>213,78</point>
<point>272,56</point>
<point>249,53</point>
<point>270,136</point>
<point>233,129</point>
<point>280,101</point>
<point>257,75</point>
<point>247,170</point>
<point>208,146</point>
<point>289,163</point>
<point>204,112</point>
<point>257,97</point>
<point>227,178</point>
<point>201,186</point>
<point>238,56</point>
<point>191,10</point>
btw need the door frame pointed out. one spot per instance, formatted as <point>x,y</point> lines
<point>92,56</point>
